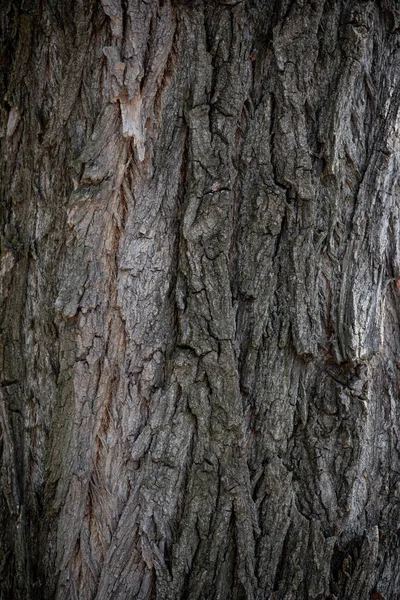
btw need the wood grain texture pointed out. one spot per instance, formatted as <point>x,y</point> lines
<point>199,306</point>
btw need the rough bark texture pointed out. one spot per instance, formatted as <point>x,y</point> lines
<point>200,276</point>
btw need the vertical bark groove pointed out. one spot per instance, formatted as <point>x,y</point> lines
<point>199,273</point>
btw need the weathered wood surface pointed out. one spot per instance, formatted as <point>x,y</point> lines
<point>200,300</point>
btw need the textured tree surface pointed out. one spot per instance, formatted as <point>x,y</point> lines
<point>200,275</point>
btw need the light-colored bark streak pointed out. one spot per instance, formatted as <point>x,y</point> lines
<point>200,291</point>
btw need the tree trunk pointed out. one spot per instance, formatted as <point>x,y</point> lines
<point>200,306</point>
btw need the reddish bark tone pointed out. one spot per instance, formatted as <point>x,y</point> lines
<point>200,351</point>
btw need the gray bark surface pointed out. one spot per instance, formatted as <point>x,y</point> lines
<point>200,300</point>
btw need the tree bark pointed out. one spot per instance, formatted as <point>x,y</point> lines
<point>200,277</point>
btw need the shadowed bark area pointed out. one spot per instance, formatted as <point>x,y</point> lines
<point>200,292</point>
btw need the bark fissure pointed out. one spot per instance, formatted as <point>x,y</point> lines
<point>199,275</point>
